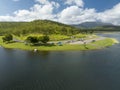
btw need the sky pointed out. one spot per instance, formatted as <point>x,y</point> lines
<point>64,11</point>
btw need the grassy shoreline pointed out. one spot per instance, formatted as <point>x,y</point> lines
<point>66,47</point>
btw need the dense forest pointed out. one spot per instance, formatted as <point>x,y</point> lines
<point>37,26</point>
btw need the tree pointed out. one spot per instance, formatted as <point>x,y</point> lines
<point>7,38</point>
<point>35,40</point>
<point>32,40</point>
<point>45,39</point>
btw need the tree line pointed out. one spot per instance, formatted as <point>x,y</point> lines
<point>30,40</point>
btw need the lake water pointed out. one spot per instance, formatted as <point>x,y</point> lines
<point>68,70</point>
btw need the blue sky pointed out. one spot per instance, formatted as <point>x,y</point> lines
<point>9,6</point>
<point>65,11</point>
<point>100,5</point>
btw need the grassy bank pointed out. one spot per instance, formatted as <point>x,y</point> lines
<point>53,37</point>
<point>91,46</point>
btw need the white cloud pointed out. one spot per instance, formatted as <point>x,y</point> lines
<point>6,18</point>
<point>79,3</point>
<point>41,10</point>
<point>111,15</point>
<point>43,1</point>
<point>74,13</point>
<point>48,2</point>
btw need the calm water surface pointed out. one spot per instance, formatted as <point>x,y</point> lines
<point>69,70</point>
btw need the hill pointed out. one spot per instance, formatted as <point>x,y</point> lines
<point>97,26</point>
<point>37,26</point>
<point>91,24</point>
<point>107,28</point>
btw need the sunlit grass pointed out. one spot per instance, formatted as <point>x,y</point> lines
<point>53,37</point>
<point>91,46</point>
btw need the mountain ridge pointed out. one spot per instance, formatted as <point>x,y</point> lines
<point>92,24</point>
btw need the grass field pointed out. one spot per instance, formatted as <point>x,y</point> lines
<point>91,46</point>
<point>53,37</point>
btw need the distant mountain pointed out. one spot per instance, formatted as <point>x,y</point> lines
<point>92,24</point>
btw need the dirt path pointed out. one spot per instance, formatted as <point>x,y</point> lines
<point>79,41</point>
<point>87,41</point>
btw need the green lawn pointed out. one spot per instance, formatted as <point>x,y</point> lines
<point>96,45</point>
<point>104,43</point>
<point>53,37</point>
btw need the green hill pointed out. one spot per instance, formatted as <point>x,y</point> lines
<point>37,26</point>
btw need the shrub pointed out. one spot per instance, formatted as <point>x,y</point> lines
<point>32,40</point>
<point>45,39</point>
<point>7,38</point>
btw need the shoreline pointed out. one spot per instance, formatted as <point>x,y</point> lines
<point>100,44</point>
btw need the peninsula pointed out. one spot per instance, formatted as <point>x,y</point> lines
<point>45,35</point>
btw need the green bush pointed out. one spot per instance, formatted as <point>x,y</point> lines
<point>32,40</point>
<point>7,38</point>
<point>45,39</point>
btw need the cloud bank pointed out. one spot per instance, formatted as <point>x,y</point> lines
<point>74,13</point>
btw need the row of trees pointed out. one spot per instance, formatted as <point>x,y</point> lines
<point>31,40</point>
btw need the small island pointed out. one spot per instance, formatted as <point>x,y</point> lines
<point>45,35</point>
